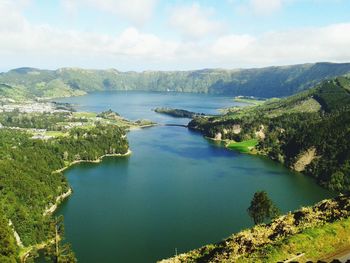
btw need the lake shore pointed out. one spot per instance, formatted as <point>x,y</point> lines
<point>226,143</point>
<point>59,199</point>
<point>98,160</point>
<point>164,161</point>
<point>136,128</point>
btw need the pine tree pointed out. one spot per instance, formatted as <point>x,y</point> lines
<point>262,208</point>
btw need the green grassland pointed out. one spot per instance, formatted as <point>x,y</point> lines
<point>319,243</point>
<point>56,133</point>
<point>244,146</point>
<point>82,114</point>
<point>250,101</point>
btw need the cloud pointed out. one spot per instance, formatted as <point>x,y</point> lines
<point>23,43</point>
<point>194,21</point>
<point>133,43</point>
<point>10,18</point>
<point>266,7</point>
<point>327,43</point>
<point>259,7</point>
<point>26,44</point>
<point>137,12</point>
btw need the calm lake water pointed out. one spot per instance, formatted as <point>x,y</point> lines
<point>176,191</point>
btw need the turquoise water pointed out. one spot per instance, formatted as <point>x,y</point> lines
<point>176,191</point>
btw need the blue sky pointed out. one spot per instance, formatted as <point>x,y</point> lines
<point>172,35</point>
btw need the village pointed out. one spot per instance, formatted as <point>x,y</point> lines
<point>66,118</point>
<point>8,105</point>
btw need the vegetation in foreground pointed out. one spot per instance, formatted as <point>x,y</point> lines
<point>308,132</point>
<point>314,232</point>
<point>318,243</point>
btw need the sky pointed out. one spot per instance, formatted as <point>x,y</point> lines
<point>143,35</point>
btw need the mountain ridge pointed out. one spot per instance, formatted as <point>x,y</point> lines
<point>267,82</point>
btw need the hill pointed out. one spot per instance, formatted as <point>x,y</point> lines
<point>308,132</point>
<point>34,149</point>
<point>307,235</point>
<point>260,82</point>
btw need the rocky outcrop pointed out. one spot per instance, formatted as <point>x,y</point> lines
<point>260,134</point>
<point>218,136</point>
<point>59,199</point>
<point>304,159</point>
<point>249,241</point>
<point>15,234</point>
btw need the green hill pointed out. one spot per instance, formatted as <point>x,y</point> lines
<point>260,82</point>
<point>308,132</point>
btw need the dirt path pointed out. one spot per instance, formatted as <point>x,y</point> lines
<point>343,255</point>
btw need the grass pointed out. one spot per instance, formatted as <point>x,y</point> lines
<point>84,114</point>
<point>249,100</point>
<point>55,133</point>
<point>319,243</point>
<point>244,146</point>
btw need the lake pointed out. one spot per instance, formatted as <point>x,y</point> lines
<point>177,191</point>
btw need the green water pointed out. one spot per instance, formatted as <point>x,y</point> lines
<point>176,190</point>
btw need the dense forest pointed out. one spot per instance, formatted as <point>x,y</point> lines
<point>260,82</point>
<point>28,184</point>
<point>308,132</point>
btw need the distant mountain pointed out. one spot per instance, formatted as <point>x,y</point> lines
<point>261,82</point>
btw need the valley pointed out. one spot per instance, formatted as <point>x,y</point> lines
<point>71,131</point>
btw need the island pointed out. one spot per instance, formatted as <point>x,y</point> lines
<point>178,113</point>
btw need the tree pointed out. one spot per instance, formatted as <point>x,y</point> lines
<point>8,247</point>
<point>57,252</point>
<point>262,208</point>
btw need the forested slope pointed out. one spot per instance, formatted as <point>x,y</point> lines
<point>28,184</point>
<point>309,132</point>
<point>260,82</point>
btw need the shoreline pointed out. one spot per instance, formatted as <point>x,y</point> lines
<point>226,143</point>
<point>136,128</point>
<point>98,160</point>
<point>59,199</point>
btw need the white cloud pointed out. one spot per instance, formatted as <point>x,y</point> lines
<point>137,12</point>
<point>259,7</point>
<point>266,6</point>
<point>10,17</point>
<point>194,21</point>
<point>71,7</point>
<point>328,43</point>
<point>25,44</point>
<point>133,43</point>
<point>233,45</point>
